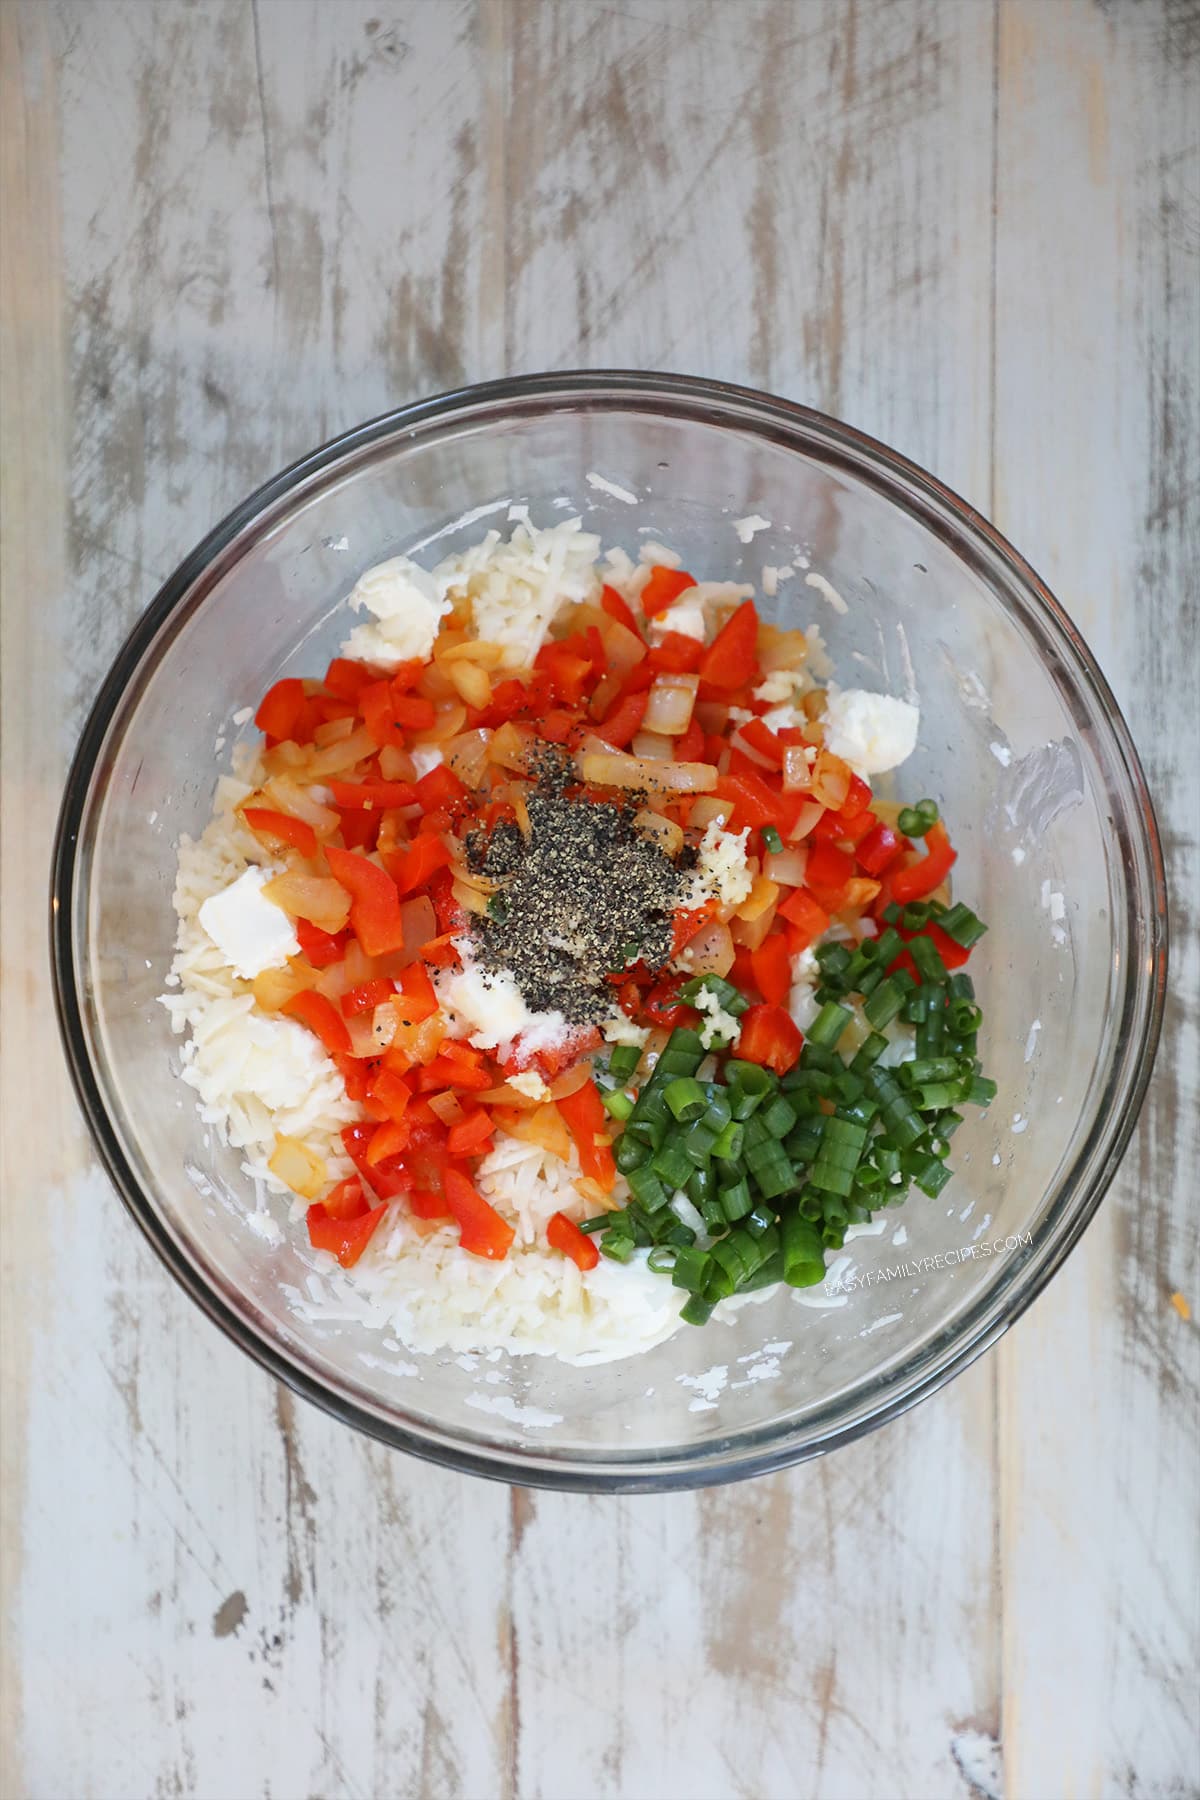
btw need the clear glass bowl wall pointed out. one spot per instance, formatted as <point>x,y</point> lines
<point>1020,744</point>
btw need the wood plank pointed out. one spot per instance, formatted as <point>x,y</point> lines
<point>737,190</point>
<point>33,1083</point>
<point>266,1602</point>
<point>1098,460</point>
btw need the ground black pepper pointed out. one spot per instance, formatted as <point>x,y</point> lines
<point>584,895</point>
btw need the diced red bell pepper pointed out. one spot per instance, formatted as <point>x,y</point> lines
<point>392,1094</point>
<point>677,654</point>
<point>446,1072</point>
<point>731,660</point>
<point>828,867</point>
<point>769,1036</point>
<point>375,704</point>
<point>472,1134</point>
<point>320,947</point>
<point>264,822</point>
<point>624,720</point>
<point>386,1182</point>
<point>412,712</point>
<point>481,1229</point>
<point>281,709</point>
<point>689,922</point>
<point>347,678</point>
<point>690,747</point>
<point>569,667</point>
<point>617,609</point>
<point>440,787</point>
<point>439,952</point>
<point>772,965</point>
<point>755,803</point>
<point>557,725</point>
<point>563,1234</point>
<point>921,879</point>
<point>346,1200</point>
<point>346,1238</point>
<point>663,589</point>
<point>742,972</point>
<point>366,997</point>
<point>390,1140</point>
<point>760,737</point>
<point>806,917</point>
<point>321,1016</point>
<point>418,999</point>
<point>879,849</point>
<point>374,902</point>
<point>843,827</point>
<point>585,1118</point>
<point>662,1005</point>
<point>451,915</point>
<point>374,795</point>
<point>424,1205</point>
<point>360,830</point>
<point>411,869</point>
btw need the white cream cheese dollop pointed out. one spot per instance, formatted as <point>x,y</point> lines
<point>251,933</point>
<point>408,605</point>
<point>871,732</point>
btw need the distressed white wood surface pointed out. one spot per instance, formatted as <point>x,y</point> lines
<point>231,230</point>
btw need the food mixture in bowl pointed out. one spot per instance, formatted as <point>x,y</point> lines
<point>554,955</point>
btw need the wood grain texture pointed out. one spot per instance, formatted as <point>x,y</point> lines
<point>245,225</point>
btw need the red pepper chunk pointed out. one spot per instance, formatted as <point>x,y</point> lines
<point>584,1116</point>
<point>921,879</point>
<point>346,678</point>
<point>770,1037</point>
<point>374,901</point>
<point>828,867</point>
<point>481,1230</point>
<point>320,1015</point>
<point>617,609</point>
<point>677,654</point>
<point>772,965</point>
<point>265,823</point>
<point>372,794</point>
<point>563,1234</point>
<point>366,997</point>
<point>690,747</point>
<point>756,803</point>
<point>805,917</point>
<point>357,1141</point>
<point>663,589</point>
<point>320,947</point>
<point>879,849</point>
<point>731,660</point>
<point>346,1200</point>
<point>760,737</point>
<point>472,1135</point>
<point>624,720</point>
<point>282,709</point>
<point>412,869</point>
<point>440,787</point>
<point>346,1238</point>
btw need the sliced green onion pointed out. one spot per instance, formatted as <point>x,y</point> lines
<point>697,1311</point>
<point>662,1259</point>
<point>685,1098</point>
<point>772,839</point>
<point>868,1052</point>
<point>803,1252</point>
<point>646,1187</point>
<point>690,1270</point>
<point>672,1164</point>
<point>915,821</point>
<point>981,1091</point>
<point>617,1247</point>
<point>730,998</point>
<point>928,959</point>
<point>961,924</point>
<point>736,1199</point>
<point>698,1141</point>
<point>829,1025</point>
<point>630,1153</point>
<point>617,1103</point>
<point>884,1004</point>
<point>728,1147</point>
<point>778,1117</point>
<point>623,1061</point>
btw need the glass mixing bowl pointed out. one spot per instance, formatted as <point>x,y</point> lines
<point>1021,743</point>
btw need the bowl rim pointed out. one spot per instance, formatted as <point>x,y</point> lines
<point>713,1461</point>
